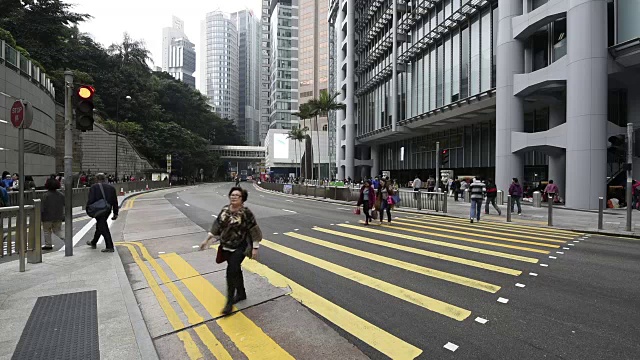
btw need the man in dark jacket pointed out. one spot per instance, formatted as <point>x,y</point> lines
<point>52,212</point>
<point>102,228</point>
<point>492,193</point>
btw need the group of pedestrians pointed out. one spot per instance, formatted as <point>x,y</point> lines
<point>376,198</point>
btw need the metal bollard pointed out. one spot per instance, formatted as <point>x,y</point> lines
<point>467,196</point>
<point>600,212</point>
<point>509,202</point>
<point>444,204</point>
<point>419,198</point>
<point>550,214</point>
<point>537,199</point>
<point>500,197</point>
<point>35,255</point>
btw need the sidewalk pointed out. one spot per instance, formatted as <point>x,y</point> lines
<point>614,220</point>
<point>109,325</point>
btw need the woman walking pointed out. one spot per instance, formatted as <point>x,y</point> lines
<point>239,235</point>
<point>385,199</point>
<point>367,200</point>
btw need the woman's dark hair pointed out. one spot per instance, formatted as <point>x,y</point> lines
<point>515,180</point>
<point>245,194</point>
<point>52,184</point>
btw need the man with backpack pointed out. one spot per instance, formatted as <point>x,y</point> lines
<point>102,199</point>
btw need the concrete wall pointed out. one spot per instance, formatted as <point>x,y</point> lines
<point>98,153</point>
<point>40,143</point>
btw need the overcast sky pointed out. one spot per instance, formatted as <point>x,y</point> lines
<point>144,19</point>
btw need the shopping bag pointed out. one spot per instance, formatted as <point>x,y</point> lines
<point>356,211</point>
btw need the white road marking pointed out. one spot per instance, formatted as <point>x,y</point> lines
<point>346,222</point>
<point>576,241</point>
<point>481,320</point>
<point>187,205</point>
<point>560,252</point>
<point>160,252</point>
<point>533,274</point>
<point>565,248</point>
<point>332,224</point>
<point>290,211</point>
<point>296,229</point>
<point>544,265</point>
<point>275,233</point>
<point>195,246</point>
<point>344,209</point>
<point>552,257</point>
<point>520,285</point>
<point>261,195</point>
<point>289,200</point>
<point>571,244</point>
<point>80,234</point>
<point>177,197</point>
<point>451,346</point>
<point>503,300</point>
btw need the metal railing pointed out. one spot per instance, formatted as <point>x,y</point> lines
<point>423,200</point>
<point>9,218</point>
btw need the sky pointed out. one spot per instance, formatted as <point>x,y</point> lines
<point>144,19</point>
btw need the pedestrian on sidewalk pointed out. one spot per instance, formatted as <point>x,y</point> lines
<point>239,234</point>
<point>515,190</point>
<point>417,184</point>
<point>367,199</point>
<point>52,212</point>
<point>4,196</point>
<point>492,193</point>
<point>551,191</point>
<point>101,190</point>
<point>477,190</point>
<point>455,187</point>
<point>385,198</point>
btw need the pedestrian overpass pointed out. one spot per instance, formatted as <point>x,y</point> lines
<point>240,153</point>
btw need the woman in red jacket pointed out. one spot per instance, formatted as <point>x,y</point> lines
<point>367,200</point>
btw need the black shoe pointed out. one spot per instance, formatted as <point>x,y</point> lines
<point>239,297</point>
<point>107,250</point>
<point>90,244</point>
<point>227,308</point>
<point>47,247</point>
<point>471,221</point>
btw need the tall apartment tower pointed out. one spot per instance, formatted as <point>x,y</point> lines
<point>248,26</point>
<point>178,53</point>
<point>265,71</point>
<point>219,71</point>
<point>313,53</point>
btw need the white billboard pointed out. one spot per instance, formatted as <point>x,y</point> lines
<point>280,146</point>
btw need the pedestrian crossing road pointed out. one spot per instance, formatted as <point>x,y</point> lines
<point>422,286</point>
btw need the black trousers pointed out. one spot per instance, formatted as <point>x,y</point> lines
<point>102,229</point>
<point>366,210</point>
<point>235,280</point>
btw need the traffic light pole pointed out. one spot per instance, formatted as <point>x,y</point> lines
<point>68,164</point>
<point>438,165</point>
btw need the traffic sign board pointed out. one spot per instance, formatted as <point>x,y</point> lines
<point>17,113</point>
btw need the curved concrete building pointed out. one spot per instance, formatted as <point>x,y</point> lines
<point>530,89</point>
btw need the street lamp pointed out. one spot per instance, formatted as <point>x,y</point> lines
<point>128,98</point>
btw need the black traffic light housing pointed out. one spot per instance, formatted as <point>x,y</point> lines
<point>444,157</point>
<point>84,107</point>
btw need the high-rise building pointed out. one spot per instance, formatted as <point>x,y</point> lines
<point>284,63</point>
<point>248,26</point>
<point>178,53</point>
<point>527,89</point>
<point>219,71</point>
<point>265,71</point>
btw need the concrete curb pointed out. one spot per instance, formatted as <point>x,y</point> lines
<point>419,212</point>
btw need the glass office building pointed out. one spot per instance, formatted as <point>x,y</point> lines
<point>519,88</point>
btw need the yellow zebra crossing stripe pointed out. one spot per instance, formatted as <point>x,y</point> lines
<point>454,259</point>
<point>190,346</point>
<point>368,333</point>
<point>508,226</point>
<point>439,225</point>
<point>193,317</point>
<point>457,279</point>
<point>406,223</point>
<point>244,333</point>
<point>445,244</point>
<point>424,301</point>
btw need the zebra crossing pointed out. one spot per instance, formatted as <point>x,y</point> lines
<point>442,270</point>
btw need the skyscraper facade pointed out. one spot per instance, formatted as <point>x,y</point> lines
<point>219,70</point>
<point>531,89</point>
<point>178,53</point>
<point>265,71</point>
<point>248,26</point>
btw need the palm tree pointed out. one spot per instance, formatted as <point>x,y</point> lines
<point>297,135</point>
<point>292,135</point>
<point>306,112</point>
<point>322,106</point>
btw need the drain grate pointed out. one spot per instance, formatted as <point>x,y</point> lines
<point>61,327</point>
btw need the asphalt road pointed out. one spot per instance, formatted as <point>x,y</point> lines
<point>481,289</point>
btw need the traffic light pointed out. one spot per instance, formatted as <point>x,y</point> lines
<point>444,157</point>
<point>84,107</point>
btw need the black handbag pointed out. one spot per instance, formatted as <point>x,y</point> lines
<point>99,207</point>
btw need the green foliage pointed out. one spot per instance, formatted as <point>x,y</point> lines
<point>163,115</point>
<point>7,37</point>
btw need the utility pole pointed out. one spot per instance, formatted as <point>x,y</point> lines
<point>629,173</point>
<point>68,163</point>
<point>437,165</point>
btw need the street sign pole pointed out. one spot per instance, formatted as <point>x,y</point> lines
<point>68,164</point>
<point>22,226</point>
<point>437,165</point>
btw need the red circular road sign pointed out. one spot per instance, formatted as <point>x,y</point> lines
<point>17,113</point>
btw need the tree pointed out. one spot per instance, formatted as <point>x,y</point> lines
<point>323,105</point>
<point>297,135</point>
<point>306,112</point>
